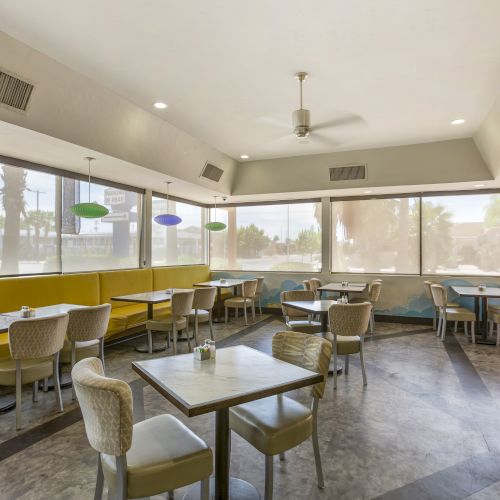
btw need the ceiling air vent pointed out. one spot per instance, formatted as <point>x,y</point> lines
<point>348,173</point>
<point>211,172</point>
<point>14,92</point>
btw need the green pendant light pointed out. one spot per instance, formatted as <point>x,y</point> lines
<point>215,226</point>
<point>89,210</point>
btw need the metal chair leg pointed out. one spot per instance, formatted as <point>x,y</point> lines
<point>253,311</point>
<point>150,342</point>
<point>282,457</point>
<point>268,493</point>
<point>205,489</point>
<point>210,325</point>
<point>334,367</point>
<point>346,368</point>
<point>438,330</point>
<point>57,385</point>
<point>18,394</point>
<point>101,352</point>
<point>188,338</point>
<point>174,335</point>
<point>121,478</point>
<point>99,484</point>
<point>245,313</point>
<point>455,328</point>
<point>315,442</point>
<point>170,495</point>
<point>443,328</point>
<point>73,361</point>
<point>362,360</point>
<point>35,391</point>
<point>473,333</point>
<point>260,307</point>
<point>226,314</point>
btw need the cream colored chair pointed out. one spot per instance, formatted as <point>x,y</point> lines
<point>428,293</point>
<point>247,299</point>
<point>373,297</point>
<point>203,303</point>
<point>494,320</point>
<point>258,292</point>
<point>182,305</point>
<point>314,284</point>
<point>296,320</point>
<point>348,325</point>
<point>85,334</point>
<point>154,456</point>
<point>34,348</point>
<point>276,424</point>
<point>306,284</point>
<point>451,313</point>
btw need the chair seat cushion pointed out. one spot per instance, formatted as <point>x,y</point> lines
<point>165,455</point>
<point>272,425</point>
<point>452,304</point>
<point>238,302</point>
<point>165,325</point>
<point>346,344</point>
<point>203,315</point>
<point>31,370</point>
<point>304,326</point>
<point>459,314</point>
<point>85,349</point>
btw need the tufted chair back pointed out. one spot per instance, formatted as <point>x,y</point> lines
<point>182,303</point>
<point>349,319</point>
<point>428,293</point>
<point>307,351</point>
<point>88,323</point>
<point>37,337</point>
<point>106,405</point>
<point>295,295</point>
<point>260,285</point>
<point>375,290</point>
<point>306,284</point>
<point>439,295</point>
<point>204,298</point>
<point>249,288</point>
<point>314,284</point>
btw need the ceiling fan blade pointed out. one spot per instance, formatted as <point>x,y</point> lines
<point>275,122</point>
<point>327,141</point>
<point>341,121</point>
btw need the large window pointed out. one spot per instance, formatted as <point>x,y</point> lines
<point>180,244</point>
<point>376,236</point>
<point>111,242</point>
<point>461,234</point>
<point>284,237</point>
<point>28,237</point>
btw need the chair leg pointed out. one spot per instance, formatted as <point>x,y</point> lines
<point>188,337</point>
<point>472,331</point>
<point>210,325</point>
<point>46,384</point>
<point>196,327</point>
<point>150,342</point>
<point>170,495</point>
<point>346,368</point>
<point>455,328</point>
<point>99,484</point>
<point>260,307</point>
<point>226,314</point>
<point>434,321</point>
<point>253,311</point>
<point>174,336</point>
<point>205,489</point>
<point>315,442</point>
<point>73,361</point>
<point>18,394</point>
<point>101,352</point>
<point>245,313</point>
<point>334,367</point>
<point>443,328</point>
<point>362,360</point>
<point>121,478</point>
<point>498,334</point>
<point>372,322</point>
<point>438,330</point>
<point>35,391</point>
<point>268,493</point>
<point>57,385</point>
<point>466,329</point>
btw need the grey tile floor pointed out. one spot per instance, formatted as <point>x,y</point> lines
<point>425,427</point>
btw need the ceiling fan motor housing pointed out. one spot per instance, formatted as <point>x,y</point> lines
<point>301,122</point>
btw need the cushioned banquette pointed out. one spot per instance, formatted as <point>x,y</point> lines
<point>98,288</point>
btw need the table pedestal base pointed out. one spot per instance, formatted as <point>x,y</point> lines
<point>238,490</point>
<point>7,403</point>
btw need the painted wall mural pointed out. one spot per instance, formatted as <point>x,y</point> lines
<point>401,295</point>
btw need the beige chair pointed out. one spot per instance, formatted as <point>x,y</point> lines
<point>182,305</point>
<point>494,320</point>
<point>258,292</point>
<point>348,325</point>
<point>203,303</point>
<point>306,284</point>
<point>154,456</point>
<point>446,313</point>
<point>85,334</point>
<point>247,299</point>
<point>296,320</point>
<point>314,284</point>
<point>428,294</point>
<point>34,348</point>
<point>373,297</point>
<point>276,424</point>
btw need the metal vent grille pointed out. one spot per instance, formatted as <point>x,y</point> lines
<point>348,173</point>
<point>14,92</point>
<point>211,172</point>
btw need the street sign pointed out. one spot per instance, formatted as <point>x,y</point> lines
<point>116,217</point>
<point>114,196</point>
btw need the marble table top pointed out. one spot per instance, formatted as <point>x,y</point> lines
<point>338,287</point>
<point>147,297</point>
<point>238,374</point>
<point>228,283</point>
<point>472,291</point>
<point>311,306</point>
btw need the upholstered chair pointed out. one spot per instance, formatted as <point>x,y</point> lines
<point>446,312</point>
<point>306,284</point>
<point>85,334</point>
<point>246,300</point>
<point>348,325</point>
<point>276,424</point>
<point>296,320</point>
<point>314,284</point>
<point>203,303</point>
<point>34,348</point>
<point>373,297</point>
<point>494,320</point>
<point>428,294</point>
<point>149,458</point>
<point>258,292</point>
<point>182,305</point>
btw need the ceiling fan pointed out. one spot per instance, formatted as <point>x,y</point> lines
<point>301,120</point>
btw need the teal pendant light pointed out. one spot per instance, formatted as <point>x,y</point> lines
<point>215,226</point>
<point>168,219</point>
<point>89,210</point>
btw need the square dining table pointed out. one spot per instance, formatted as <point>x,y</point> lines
<point>237,375</point>
<point>344,290</point>
<point>220,284</point>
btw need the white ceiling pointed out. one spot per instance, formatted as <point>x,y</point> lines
<point>403,68</point>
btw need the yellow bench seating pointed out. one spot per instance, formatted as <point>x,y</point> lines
<point>98,288</point>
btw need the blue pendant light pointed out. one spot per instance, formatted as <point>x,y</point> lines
<point>89,210</point>
<point>168,219</point>
<point>215,226</point>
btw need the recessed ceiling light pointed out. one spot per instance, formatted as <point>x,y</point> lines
<point>160,105</point>
<point>479,185</point>
<point>458,121</point>
<point>244,157</point>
